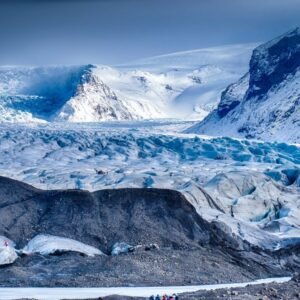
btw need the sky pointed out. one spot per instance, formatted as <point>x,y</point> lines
<point>42,32</point>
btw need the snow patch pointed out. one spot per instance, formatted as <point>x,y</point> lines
<point>49,244</point>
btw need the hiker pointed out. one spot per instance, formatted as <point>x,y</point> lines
<point>164,297</point>
<point>176,297</point>
<point>157,297</point>
<point>6,243</point>
<point>152,298</point>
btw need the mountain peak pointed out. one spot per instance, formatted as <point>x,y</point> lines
<point>264,104</point>
<point>272,62</point>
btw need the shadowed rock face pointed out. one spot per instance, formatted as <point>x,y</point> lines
<point>273,62</point>
<point>101,218</point>
<point>191,250</point>
<point>232,96</point>
<point>42,91</point>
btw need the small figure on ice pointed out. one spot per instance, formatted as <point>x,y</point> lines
<point>165,297</point>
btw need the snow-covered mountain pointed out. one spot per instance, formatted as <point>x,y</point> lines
<point>265,103</point>
<point>184,85</point>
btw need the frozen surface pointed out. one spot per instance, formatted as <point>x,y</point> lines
<point>251,186</point>
<point>49,244</point>
<point>84,293</point>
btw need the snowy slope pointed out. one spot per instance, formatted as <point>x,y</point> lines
<point>264,104</point>
<point>184,85</point>
<point>123,96</point>
<point>210,69</point>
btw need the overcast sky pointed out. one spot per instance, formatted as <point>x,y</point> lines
<point>117,31</point>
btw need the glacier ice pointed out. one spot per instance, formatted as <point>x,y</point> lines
<point>48,244</point>
<point>251,186</point>
<point>264,104</point>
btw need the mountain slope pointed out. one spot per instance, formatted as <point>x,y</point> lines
<point>265,103</point>
<point>184,85</point>
<point>136,216</point>
<point>63,94</point>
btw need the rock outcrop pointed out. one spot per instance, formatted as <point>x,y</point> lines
<point>189,249</point>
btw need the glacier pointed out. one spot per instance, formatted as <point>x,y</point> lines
<point>252,187</point>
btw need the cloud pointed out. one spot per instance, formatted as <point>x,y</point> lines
<point>115,31</point>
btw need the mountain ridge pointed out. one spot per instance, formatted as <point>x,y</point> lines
<point>264,104</point>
